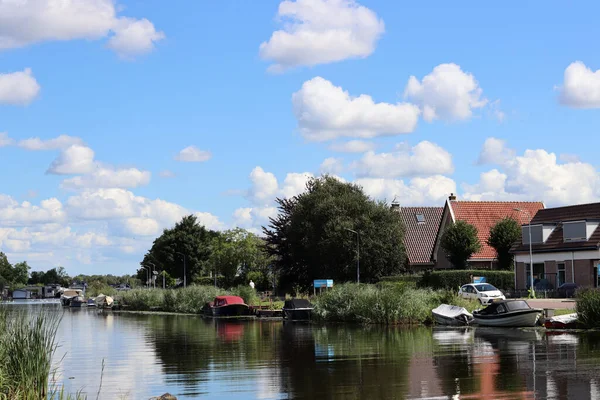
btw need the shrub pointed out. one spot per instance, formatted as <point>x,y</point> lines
<point>453,279</point>
<point>588,307</point>
<point>189,300</point>
<point>245,292</point>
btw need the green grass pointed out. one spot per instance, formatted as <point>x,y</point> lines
<point>386,304</point>
<point>563,311</point>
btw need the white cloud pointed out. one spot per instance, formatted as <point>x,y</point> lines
<point>5,140</point>
<point>332,166</point>
<point>264,186</point>
<point>494,151</point>
<point>447,93</point>
<point>425,158</point>
<point>57,143</point>
<point>326,112</point>
<point>353,146</point>
<point>13,213</point>
<point>432,190</point>
<point>295,183</point>
<point>166,174</point>
<point>581,87</point>
<point>25,22</point>
<point>193,154</point>
<point>17,88</point>
<point>321,32</point>
<point>134,37</point>
<point>209,221</point>
<point>75,159</point>
<point>141,226</point>
<point>538,176</point>
<point>107,177</point>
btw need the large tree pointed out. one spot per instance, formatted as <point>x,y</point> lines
<point>310,237</point>
<point>239,253</point>
<point>502,237</point>
<point>459,242</point>
<point>187,239</point>
<point>15,275</point>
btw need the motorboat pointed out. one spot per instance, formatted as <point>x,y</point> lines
<point>567,321</point>
<point>68,294</point>
<point>297,310</point>
<point>78,301</point>
<point>226,306</point>
<point>104,301</point>
<point>91,302</point>
<point>507,313</point>
<point>447,314</point>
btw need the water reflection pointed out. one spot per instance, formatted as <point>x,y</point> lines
<point>147,355</point>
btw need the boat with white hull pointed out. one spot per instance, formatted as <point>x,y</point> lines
<point>507,313</point>
<point>447,314</point>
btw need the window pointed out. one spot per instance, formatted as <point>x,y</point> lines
<point>538,273</point>
<point>574,231</point>
<point>420,218</point>
<point>561,274</point>
<point>536,234</point>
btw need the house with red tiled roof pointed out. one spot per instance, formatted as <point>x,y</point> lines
<point>421,225</point>
<point>483,215</point>
<point>565,247</point>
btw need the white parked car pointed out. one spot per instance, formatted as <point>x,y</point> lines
<point>484,292</point>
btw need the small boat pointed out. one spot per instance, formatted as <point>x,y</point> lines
<point>78,301</point>
<point>104,301</point>
<point>447,314</point>
<point>226,306</point>
<point>297,310</point>
<point>507,313</point>
<point>68,294</point>
<point>567,321</point>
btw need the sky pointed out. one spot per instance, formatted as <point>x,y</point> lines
<point>118,118</point>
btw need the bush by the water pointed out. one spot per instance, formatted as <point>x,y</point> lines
<point>387,304</point>
<point>189,300</point>
<point>588,307</point>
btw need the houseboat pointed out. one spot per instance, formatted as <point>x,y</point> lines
<point>226,306</point>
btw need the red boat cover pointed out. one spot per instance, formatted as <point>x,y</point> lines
<point>226,300</point>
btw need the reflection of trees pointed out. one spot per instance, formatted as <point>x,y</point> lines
<point>342,361</point>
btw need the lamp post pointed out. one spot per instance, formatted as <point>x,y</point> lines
<point>530,248</point>
<point>153,273</point>
<point>184,269</point>
<point>147,269</point>
<point>357,254</point>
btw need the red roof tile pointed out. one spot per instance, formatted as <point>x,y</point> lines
<point>419,238</point>
<point>485,214</point>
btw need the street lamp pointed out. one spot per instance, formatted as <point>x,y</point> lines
<point>153,273</point>
<point>530,248</point>
<point>147,269</point>
<point>184,268</point>
<point>357,254</point>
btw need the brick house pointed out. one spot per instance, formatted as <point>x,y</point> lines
<point>421,226</point>
<point>565,243</point>
<point>483,215</point>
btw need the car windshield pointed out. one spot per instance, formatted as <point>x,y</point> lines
<point>485,288</point>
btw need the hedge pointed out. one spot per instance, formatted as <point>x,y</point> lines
<point>453,279</point>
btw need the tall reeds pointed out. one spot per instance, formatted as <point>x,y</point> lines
<point>588,307</point>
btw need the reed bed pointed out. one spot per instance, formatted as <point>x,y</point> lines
<point>588,307</point>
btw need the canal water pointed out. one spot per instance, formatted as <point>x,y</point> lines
<point>191,357</point>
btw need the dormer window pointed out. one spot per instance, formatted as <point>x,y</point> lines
<point>537,234</point>
<point>575,231</point>
<point>420,218</point>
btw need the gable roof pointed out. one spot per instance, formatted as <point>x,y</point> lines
<point>419,238</point>
<point>557,215</point>
<point>483,215</point>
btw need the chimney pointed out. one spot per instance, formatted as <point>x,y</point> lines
<point>395,206</point>
<point>452,197</point>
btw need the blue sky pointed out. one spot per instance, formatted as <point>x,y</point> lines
<point>490,102</point>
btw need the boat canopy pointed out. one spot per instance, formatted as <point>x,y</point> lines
<point>72,292</point>
<point>103,299</point>
<point>499,307</point>
<point>227,300</point>
<point>451,311</point>
<point>296,304</point>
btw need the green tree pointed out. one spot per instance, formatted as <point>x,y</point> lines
<point>240,254</point>
<point>309,238</point>
<point>459,242</point>
<point>16,275</point>
<point>187,237</point>
<point>502,237</point>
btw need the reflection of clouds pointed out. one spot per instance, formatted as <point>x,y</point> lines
<point>86,337</point>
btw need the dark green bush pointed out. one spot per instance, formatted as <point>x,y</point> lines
<point>453,279</point>
<point>588,307</point>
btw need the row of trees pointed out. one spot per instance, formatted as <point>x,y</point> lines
<point>460,242</point>
<point>12,275</point>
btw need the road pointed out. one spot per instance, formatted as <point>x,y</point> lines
<point>552,303</point>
